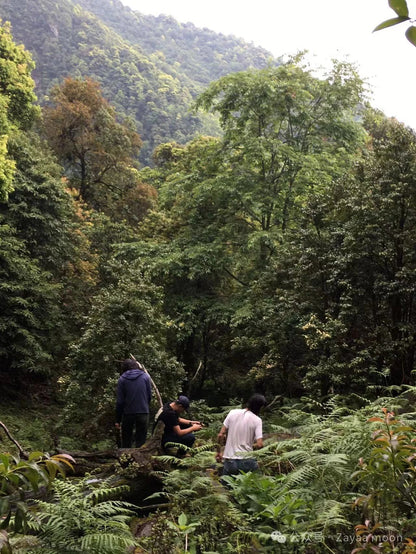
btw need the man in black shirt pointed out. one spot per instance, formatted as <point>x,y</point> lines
<point>178,429</point>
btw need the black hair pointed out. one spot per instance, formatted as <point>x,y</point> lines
<point>255,403</point>
<point>129,364</point>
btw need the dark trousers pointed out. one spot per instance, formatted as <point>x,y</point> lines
<point>131,421</point>
<point>187,440</point>
<point>233,466</point>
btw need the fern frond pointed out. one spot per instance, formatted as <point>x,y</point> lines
<point>83,515</point>
<point>160,474</point>
<point>331,514</point>
<point>112,508</point>
<point>157,496</point>
<point>103,543</point>
<point>102,494</point>
<point>301,476</point>
<point>168,460</point>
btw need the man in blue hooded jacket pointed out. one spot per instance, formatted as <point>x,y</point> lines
<point>134,392</point>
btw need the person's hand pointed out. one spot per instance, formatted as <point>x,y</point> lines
<point>196,426</point>
<point>196,423</point>
<point>117,425</point>
<point>218,457</point>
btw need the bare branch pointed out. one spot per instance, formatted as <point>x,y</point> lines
<point>22,453</point>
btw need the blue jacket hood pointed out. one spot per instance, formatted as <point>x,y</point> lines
<point>132,374</point>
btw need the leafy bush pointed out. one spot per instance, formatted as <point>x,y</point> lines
<point>20,478</point>
<point>388,476</point>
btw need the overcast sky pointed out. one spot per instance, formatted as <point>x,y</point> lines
<point>328,29</point>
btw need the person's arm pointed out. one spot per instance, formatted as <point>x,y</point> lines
<point>222,435</point>
<point>178,431</point>
<point>188,421</point>
<point>258,444</point>
<point>221,440</point>
<point>119,404</point>
<point>258,436</point>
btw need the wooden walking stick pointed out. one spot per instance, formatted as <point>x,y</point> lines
<point>141,366</point>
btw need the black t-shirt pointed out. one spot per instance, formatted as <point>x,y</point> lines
<point>169,417</point>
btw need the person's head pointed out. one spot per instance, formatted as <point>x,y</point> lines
<point>129,364</point>
<point>256,403</point>
<point>181,404</point>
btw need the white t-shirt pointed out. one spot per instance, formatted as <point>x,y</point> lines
<point>243,429</point>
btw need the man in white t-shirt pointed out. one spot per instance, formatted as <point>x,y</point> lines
<point>242,431</point>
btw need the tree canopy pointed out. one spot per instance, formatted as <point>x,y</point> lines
<point>97,151</point>
<point>17,110</point>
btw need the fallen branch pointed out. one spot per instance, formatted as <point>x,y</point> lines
<point>22,453</point>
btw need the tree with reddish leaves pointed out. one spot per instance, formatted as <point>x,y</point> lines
<point>97,152</point>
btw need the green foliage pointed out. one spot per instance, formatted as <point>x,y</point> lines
<point>387,473</point>
<point>40,208</point>
<point>195,494</point>
<point>39,248</point>
<point>402,15</point>
<point>185,528</point>
<point>271,133</point>
<point>363,319</point>
<point>149,68</point>
<point>199,54</point>
<point>28,300</point>
<point>310,491</point>
<point>17,85</point>
<point>83,517</point>
<point>16,101</point>
<point>126,318</point>
<point>19,477</point>
<point>33,426</point>
<point>230,206</point>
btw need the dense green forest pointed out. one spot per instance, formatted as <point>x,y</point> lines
<point>150,69</point>
<point>237,225</point>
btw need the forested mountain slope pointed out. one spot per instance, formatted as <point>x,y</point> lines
<point>200,54</point>
<point>149,68</point>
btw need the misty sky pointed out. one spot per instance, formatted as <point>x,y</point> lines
<point>326,28</point>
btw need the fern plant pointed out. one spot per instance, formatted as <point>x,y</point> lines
<point>193,490</point>
<point>83,517</point>
<point>304,498</point>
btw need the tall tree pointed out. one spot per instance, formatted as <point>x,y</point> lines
<point>230,205</point>
<point>126,318</point>
<point>17,110</point>
<point>287,135</point>
<point>360,293</point>
<point>29,302</point>
<point>96,151</point>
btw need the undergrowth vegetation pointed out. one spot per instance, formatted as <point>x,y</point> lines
<point>83,516</point>
<point>335,477</point>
